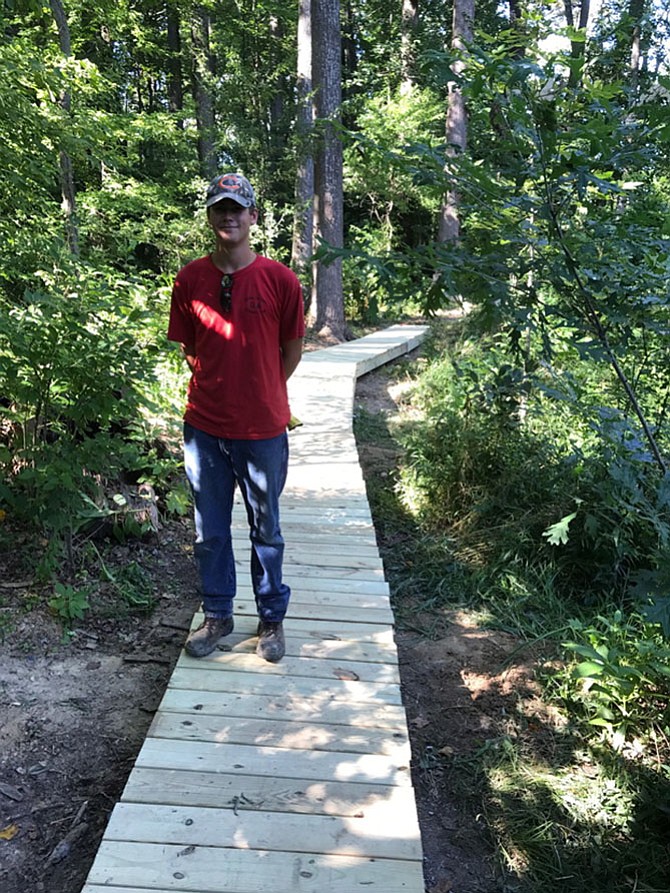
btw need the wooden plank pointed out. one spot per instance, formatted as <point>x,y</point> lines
<point>247,760</point>
<point>201,679</point>
<point>335,566</point>
<point>319,499</point>
<point>340,564</point>
<point>274,733</point>
<point>319,631</point>
<point>309,453</point>
<point>296,667</point>
<point>300,607</point>
<point>319,476</point>
<point>180,787</point>
<point>334,512</point>
<point>326,521</point>
<point>310,592</point>
<point>317,709</point>
<point>303,540</point>
<point>321,557</point>
<point>321,581</point>
<point>326,649</point>
<point>380,835</point>
<point>213,870</point>
<point>325,630</point>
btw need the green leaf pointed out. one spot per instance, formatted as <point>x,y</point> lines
<point>588,669</point>
<point>557,534</point>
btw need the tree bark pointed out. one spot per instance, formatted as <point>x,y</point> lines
<point>303,221</point>
<point>277,103</point>
<point>66,173</point>
<point>327,55</point>
<point>577,47</point>
<point>517,25</point>
<point>408,24</point>
<point>202,70</point>
<point>175,81</point>
<point>349,51</point>
<point>456,124</point>
<point>635,14</point>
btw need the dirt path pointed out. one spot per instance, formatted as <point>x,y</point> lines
<point>72,716</point>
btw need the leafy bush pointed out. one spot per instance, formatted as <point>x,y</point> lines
<point>521,479</point>
<point>78,368</point>
<point>619,676</point>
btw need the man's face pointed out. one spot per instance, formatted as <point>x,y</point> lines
<point>231,222</point>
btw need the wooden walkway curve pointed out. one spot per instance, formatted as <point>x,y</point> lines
<point>290,777</point>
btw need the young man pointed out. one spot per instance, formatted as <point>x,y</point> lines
<point>239,319</point>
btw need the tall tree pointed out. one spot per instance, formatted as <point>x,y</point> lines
<point>303,222</point>
<point>577,46</point>
<point>277,101</point>
<point>456,124</point>
<point>175,82</point>
<point>327,73</point>
<point>636,11</point>
<point>66,174</point>
<point>202,72</point>
<point>408,24</point>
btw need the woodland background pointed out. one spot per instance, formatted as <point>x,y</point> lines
<point>412,156</point>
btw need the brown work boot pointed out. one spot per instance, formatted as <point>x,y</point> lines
<point>271,644</point>
<point>204,639</point>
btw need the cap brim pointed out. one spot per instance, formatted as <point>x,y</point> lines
<point>231,195</point>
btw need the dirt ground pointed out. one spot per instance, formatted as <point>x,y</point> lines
<point>73,716</point>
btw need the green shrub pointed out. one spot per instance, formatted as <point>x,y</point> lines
<point>619,677</point>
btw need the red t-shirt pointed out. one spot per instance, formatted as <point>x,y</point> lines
<point>237,389</point>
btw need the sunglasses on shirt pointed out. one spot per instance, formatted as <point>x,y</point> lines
<point>226,294</point>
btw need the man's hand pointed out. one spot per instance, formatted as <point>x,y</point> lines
<point>291,352</point>
<point>189,355</point>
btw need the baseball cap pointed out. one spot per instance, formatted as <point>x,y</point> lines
<point>233,186</point>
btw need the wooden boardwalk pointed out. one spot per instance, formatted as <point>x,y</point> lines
<point>258,777</point>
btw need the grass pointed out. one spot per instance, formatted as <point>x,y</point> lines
<point>566,809</point>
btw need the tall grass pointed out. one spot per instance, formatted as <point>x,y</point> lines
<point>522,499</point>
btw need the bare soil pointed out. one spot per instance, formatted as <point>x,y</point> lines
<point>74,713</point>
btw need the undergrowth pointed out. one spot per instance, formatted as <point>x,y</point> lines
<point>541,514</point>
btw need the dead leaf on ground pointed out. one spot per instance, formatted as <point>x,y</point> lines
<point>10,791</point>
<point>9,832</point>
<point>347,675</point>
<point>420,722</point>
<point>442,886</point>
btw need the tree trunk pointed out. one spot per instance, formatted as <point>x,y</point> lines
<point>327,49</point>
<point>66,174</point>
<point>635,14</point>
<point>277,103</point>
<point>202,70</point>
<point>303,221</point>
<point>175,82</point>
<point>517,25</point>
<point>456,125</point>
<point>408,24</point>
<point>350,54</point>
<point>577,47</point>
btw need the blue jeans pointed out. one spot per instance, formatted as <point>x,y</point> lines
<point>213,467</point>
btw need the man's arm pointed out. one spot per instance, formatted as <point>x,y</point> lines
<point>291,352</point>
<point>189,355</point>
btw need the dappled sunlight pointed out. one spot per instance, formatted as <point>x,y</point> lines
<point>240,840</point>
<point>373,768</point>
<point>213,319</point>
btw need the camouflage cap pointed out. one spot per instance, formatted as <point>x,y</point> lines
<point>233,186</point>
